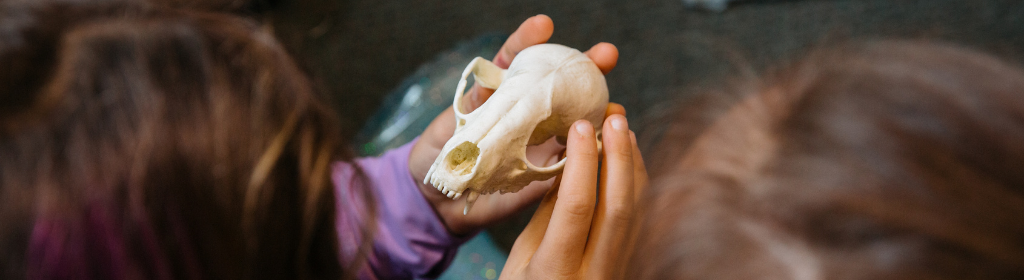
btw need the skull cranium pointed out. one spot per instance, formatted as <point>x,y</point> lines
<point>545,89</point>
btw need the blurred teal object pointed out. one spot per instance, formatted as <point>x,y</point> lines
<point>408,110</point>
<point>478,259</point>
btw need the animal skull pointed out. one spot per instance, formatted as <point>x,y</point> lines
<point>545,89</point>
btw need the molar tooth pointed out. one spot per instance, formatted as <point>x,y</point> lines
<point>450,194</point>
<point>457,196</point>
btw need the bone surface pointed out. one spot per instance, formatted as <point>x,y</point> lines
<point>545,89</point>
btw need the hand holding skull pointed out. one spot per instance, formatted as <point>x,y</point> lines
<point>579,231</point>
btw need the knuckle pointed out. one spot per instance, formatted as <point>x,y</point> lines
<point>623,153</point>
<point>614,145</point>
<point>555,270</point>
<point>619,211</point>
<point>589,153</point>
<point>584,151</point>
<point>577,206</point>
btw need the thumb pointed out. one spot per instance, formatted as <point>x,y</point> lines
<point>535,30</point>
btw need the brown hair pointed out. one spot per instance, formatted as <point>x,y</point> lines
<point>873,161</point>
<point>146,143</point>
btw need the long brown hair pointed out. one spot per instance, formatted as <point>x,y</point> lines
<point>139,142</point>
<point>870,161</point>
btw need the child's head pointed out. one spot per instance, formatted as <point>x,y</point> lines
<point>884,160</point>
<point>144,143</point>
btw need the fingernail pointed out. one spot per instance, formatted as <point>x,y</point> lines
<point>582,128</point>
<point>619,124</point>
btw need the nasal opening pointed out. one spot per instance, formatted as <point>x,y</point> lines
<point>462,159</point>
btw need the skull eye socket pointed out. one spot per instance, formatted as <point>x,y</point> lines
<point>462,159</point>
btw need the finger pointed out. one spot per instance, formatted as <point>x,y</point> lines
<point>529,240</point>
<point>535,30</point>
<point>611,226</point>
<point>605,55</point>
<point>566,236</point>
<point>477,95</point>
<point>614,108</point>
<point>640,179</point>
<point>640,186</point>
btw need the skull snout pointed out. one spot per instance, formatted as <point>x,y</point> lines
<point>453,169</point>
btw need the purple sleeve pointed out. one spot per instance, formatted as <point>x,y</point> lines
<point>409,239</point>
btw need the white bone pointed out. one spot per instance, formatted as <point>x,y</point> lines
<point>545,90</point>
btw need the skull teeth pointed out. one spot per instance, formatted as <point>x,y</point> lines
<point>450,193</point>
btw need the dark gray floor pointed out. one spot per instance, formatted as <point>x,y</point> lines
<point>361,49</point>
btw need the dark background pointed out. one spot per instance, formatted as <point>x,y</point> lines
<point>361,49</point>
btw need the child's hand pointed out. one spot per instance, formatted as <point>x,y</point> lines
<point>579,231</point>
<point>492,208</point>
